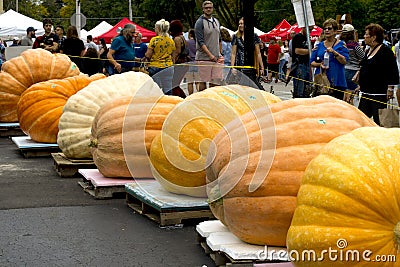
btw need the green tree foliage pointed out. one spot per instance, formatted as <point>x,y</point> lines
<point>268,13</point>
<point>153,10</point>
<point>31,8</point>
<point>271,12</point>
<point>385,12</point>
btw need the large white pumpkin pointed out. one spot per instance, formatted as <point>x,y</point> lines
<point>79,111</point>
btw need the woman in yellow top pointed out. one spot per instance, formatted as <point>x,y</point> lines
<point>159,56</point>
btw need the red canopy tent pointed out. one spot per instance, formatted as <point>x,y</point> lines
<point>314,33</point>
<point>280,32</point>
<point>114,31</point>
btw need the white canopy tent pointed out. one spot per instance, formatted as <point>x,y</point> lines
<point>259,32</point>
<point>15,24</point>
<point>101,28</point>
<point>83,35</point>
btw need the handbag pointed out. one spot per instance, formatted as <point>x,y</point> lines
<point>321,83</point>
<point>143,68</point>
<point>389,117</point>
<point>356,77</point>
<point>184,55</point>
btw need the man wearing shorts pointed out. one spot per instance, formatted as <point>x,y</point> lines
<point>208,47</point>
<point>274,53</point>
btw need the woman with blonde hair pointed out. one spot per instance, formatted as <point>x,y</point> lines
<point>159,56</point>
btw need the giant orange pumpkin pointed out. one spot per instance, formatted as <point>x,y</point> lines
<point>122,132</point>
<point>40,106</point>
<point>349,201</point>
<point>178,153</point>
<point>253,189</point>
<point>32,66</point>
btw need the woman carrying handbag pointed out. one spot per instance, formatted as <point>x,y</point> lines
<point>336,56</point>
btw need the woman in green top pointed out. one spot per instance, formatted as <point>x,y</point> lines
<point>159,56</point>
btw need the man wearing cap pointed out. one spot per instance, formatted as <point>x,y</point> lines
<point>356,54</point>
<point>15,42</point>
<point>27,40</point>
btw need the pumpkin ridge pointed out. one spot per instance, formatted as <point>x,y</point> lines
<point>183,145</point>
<point>374,157</point>
<point>328,188</point>
<point>377,158</point>
<point>38,120</point>
<point>397,236</point>
<point>16,81</point>
<point>53,66</point>
<point>348,215</point>
<point>29,66</point>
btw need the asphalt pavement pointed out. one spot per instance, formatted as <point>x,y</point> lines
<point>46,220</point>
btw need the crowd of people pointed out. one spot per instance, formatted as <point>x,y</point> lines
<point>349,67</point>
<point>371,67</point>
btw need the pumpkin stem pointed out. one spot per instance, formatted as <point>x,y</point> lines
<point>397,235</point>
<point>93,143</point>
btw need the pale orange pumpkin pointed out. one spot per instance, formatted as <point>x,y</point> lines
<point>123,129</point>
<point>178,153</point>
<point>349,201</point>
<point>40,106</point>
<point>32,66</point>
<point>253,191</point>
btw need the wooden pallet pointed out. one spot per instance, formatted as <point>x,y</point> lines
<point>30,148</point>
<point>225,249</point>
<point>8,129</point>
<point>66,167</point>
<point>100,187</point>
<point>147,197</point>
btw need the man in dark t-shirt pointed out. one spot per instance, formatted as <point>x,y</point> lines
<point>49,40</point>
<point>300,69</point>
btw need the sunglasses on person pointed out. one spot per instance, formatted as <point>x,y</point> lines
<point>328,28</point>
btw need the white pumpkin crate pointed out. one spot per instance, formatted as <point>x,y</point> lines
<point>66,167</point>
<point>149,198</point>
<point>228,250</point>
<point>8,129</point>
<point>100,187</point>
<point>30,148</point>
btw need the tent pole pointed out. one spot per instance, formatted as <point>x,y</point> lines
<point>130,10</point>
<point>1,7</point>
<point>308,34</point>
<point>78,16</point>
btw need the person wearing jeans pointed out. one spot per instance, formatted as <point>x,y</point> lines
<point>300,69</point>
